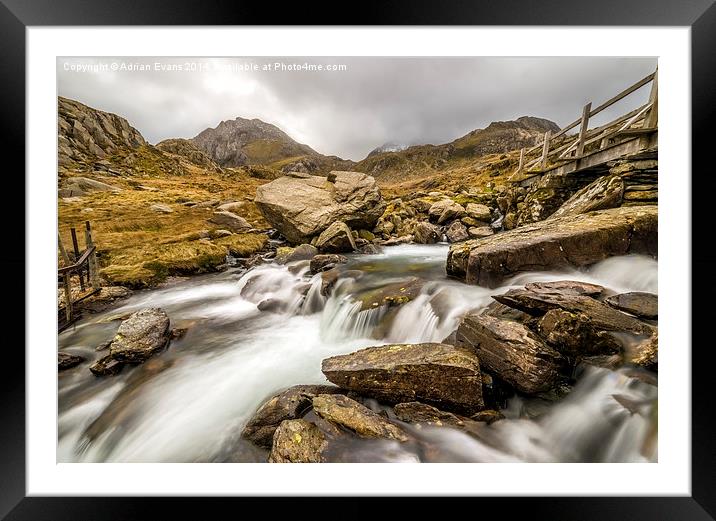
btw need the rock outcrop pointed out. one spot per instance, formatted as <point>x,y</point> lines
<point>570,241</point>
<point>302,207</point>
<point>85,132</point>
<point>80,186</point>
<point>442,375</point>
<point>605,192</point>
<point>510,351</point>
<point>189,151</point>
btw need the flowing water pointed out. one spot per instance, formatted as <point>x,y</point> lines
<point>190,402</point>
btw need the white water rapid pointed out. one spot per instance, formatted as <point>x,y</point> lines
<point>252,334</point>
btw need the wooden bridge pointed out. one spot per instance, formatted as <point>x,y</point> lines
<point>82,265</point>
<point>633,135</point>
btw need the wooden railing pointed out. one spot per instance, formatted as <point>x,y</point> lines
<point>77,264</point>
<point>561,147</point>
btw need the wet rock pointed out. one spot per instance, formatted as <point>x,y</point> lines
<point>405,239</point>
<point>426,233</point>
<point>328,281</point>
<point>566,287</point>
<point>297,441</point>
<point>605,192</point>
<point>574,334</point>
<point>106,296</point>
<point>67,360</point>
<point>143,334</point>
<point>337,238</point>
<point>370,249</point>
<point>286,254</point>
<point>600,315</point>
<point>570,241</point>
<point>324,262</point>
<point>478,232</point>
<point>510,351</point>
<point>479,212</point>
<point>302,208</point>
<point>106,366</point>
<point>499,310</point>
<point>488,416</point>
<point>230,221</point>
<point>394,294</point>
<point>457,232</point>
<point>646,353</point>
<point>178,332</point>
<point>416,412</point>
<point>272,305</point>
<point>355,417</point>
<point>442,375</point>
<point>289,404</point>
<point>645,305</point>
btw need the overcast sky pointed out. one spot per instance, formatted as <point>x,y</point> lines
<point>351,111</point>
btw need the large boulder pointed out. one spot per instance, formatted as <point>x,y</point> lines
<point>302,207</point>
<point>605,192</point>
<point>337,238</point>
<point>575,335</point>
<point>143,334</point>
<point>570,241</point>
<point>286,254</point>
<point>349,414</point>
<point>446,210</point>
<point>297,441</point>
<point>442,375</point>
<point>510,351</point>
<point>230,221</point>
<point>426,233</point>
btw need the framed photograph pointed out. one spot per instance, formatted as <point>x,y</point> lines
<point>420,255</point>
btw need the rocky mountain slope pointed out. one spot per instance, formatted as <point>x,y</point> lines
<point>241,141</point>
<point>87,133</point>
<point>423,161</point>
<point>188,150</point>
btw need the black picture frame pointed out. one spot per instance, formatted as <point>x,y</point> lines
<point>700,15</point>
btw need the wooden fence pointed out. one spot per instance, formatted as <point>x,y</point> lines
<point>80,264</point>
<point>554,150</point>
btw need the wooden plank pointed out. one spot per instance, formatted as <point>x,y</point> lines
<point>652,118</point>
<point>623,94</point>
<point>583,129</point>
<point>545,148</point>
<point>83,259</point>
<point>616,151</point>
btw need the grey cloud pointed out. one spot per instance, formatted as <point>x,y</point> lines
<point>348,113</point>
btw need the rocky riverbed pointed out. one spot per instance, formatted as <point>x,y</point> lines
<point>506,325</point>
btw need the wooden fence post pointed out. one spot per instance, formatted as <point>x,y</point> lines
<point>545,148</point>
<point>92,274</point>
<point>76,247</point>
<point>68,296</point>
<point>583,129</point>
<point>63,251</point>
<point>652,118</point>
